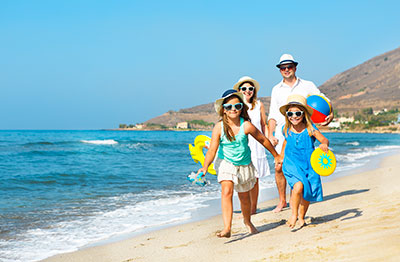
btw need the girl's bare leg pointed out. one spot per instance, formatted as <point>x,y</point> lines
<point>295,199</point>
<point>304,204</point>
<point>254,198</point>
<point>245,205</point>
<point>227,207</point>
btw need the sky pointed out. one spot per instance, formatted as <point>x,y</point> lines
<point>71,64</point>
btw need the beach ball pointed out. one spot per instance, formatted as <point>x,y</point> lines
<point>321,108</point>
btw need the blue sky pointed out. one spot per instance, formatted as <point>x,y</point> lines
<point>96,64</point>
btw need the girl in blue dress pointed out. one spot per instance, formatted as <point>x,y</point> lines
<point>300,134</point>
<point>229,141</point>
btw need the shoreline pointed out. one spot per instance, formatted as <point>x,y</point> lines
<point>369,198</point>
<point>323,130</point>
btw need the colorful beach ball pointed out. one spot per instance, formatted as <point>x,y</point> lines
<point>321,108</point>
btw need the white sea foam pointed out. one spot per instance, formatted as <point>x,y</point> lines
<point>355,143</point>
<point>100,142</point>
<point>68,236</point>
<point>360,156</point>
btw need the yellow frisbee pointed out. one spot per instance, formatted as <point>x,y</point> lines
<point>323,163</point>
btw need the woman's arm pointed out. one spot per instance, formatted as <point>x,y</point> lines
<point>263,122</point>
<point>322,139</point>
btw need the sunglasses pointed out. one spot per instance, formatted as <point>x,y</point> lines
<point>251,88</point>
<point>297,113</point>
<point>283,68</point>
<point>229,107</point>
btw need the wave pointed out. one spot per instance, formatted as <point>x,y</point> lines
<point>355,143</point>
<point>360,156</point>
<point>100,142</point>
<point>166,207</point>
<point>38,143</point>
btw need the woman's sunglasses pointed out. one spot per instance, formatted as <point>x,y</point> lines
<point>229,107</point>
<point>297,113</point>
<point>251,88</point>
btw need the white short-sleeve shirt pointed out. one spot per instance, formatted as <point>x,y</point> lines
<point>279,96</point>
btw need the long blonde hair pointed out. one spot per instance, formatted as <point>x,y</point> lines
<point>306,120</point>
<point>253,99</point>
<point>227,129</point>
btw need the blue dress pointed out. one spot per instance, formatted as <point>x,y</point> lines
<point>297,166</point>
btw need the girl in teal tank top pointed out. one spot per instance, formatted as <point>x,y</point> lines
<point>233,164</point>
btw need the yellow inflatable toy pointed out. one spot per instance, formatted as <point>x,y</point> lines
<point>323,164</point>
<point>196,151</point>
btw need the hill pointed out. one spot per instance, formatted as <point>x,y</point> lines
<point>373,84</point>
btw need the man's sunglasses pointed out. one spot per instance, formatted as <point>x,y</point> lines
<point>251,88</point>
<point>297,113</point>
<point>283,68</point>
<point>229,107</point>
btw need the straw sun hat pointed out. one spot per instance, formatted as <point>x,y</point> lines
<point>226,94</point>
<point>246,79</point>
<point>295,100</point>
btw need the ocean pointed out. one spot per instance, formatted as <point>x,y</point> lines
<point>64,190</point>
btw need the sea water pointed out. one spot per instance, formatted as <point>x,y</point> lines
<point>63,190</point>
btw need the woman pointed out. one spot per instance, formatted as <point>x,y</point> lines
<point>249,88</point>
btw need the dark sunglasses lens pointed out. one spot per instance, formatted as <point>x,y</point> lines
<point>228,107</point>
<point>289,114</point>
<point>283,68</point>
<point>239,106</point>
<point>298,113</point>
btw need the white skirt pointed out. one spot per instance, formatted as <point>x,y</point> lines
<point>261,165</point>
<point>243,177</point>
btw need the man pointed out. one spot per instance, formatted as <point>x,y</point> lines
<point>290,84</point>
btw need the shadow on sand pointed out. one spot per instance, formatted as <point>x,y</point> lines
<point>314,221</point>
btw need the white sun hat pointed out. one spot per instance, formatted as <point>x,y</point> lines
<point>286,59</point>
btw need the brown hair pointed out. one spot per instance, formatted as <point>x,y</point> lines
<point>253,99</point>
<point>306,120</point>
<point>227,129</point>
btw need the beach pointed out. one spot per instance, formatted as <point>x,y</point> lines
<point>357,221</point>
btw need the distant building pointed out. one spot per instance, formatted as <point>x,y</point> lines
<point>398,119</point>
<point>345,119</point>
<point>182,125</point>
<point>334,124</point>
<point>380,111</point>
<point>139,126</point>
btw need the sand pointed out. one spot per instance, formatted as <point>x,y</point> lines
<point>359,220</point>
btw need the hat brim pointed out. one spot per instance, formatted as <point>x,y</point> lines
<point>218,102</point>
<point>286,63</point>
<point>284,108</point>
<point>239,83</point>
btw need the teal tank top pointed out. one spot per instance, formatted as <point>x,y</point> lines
<point>236,152</point>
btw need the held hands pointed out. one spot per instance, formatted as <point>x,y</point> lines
<point>324,147</point>
<point>278,161</point>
